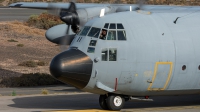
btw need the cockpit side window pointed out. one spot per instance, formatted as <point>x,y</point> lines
<point>94,32</point>
<point>111,35</point>
<point>85,31</point>
<point>121,35</point>
<point>103,34</point>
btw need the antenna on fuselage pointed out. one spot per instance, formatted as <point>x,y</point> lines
<point>176,20</point>
<point>102,13</point>
<point>130,8</point>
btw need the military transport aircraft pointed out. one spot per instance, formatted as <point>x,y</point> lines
<point>124,51</point>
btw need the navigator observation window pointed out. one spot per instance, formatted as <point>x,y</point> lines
<point>85,31</point>
<point>94,32</point>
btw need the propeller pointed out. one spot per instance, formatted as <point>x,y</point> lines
<point>140,4</point>
<point>71,18</point>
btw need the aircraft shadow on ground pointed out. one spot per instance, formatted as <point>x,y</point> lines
<point>79,101</point>
<point>68,90</point>
<point>167,101</point>
<point>90,101</point>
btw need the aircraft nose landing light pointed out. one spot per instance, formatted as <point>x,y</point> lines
<point>72,67</point>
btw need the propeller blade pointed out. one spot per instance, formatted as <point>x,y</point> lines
<point>72,7</point>
<point>53,10</point>
<point>64,40</point>
<point>140,4</point>
<point>70,16</point>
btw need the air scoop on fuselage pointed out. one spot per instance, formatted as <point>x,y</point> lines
<point>72,67</point>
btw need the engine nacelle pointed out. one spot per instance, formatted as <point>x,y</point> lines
<point>57,33</point>
<point>90,13</point>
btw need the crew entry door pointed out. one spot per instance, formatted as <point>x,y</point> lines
<point>161,77</point>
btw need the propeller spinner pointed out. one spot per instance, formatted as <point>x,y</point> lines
<point>70,17</point>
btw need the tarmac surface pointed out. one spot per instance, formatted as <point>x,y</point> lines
<point>57,89</point>
<point>63,98</point>
<point>20,14</point>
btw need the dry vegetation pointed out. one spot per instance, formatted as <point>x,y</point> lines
<point>43,21</point>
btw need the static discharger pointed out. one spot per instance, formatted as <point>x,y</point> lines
<point>143,12</point>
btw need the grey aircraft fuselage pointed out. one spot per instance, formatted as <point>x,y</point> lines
<point>125,52</point>
<point>158,56</point>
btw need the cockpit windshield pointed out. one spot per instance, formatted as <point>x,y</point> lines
<point>94,32</point>
<point>85,31</point>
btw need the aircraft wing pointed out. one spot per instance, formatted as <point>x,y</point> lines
<point>42,5</point>
<point>118,7</point>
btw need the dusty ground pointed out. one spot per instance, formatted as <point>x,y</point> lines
<point>36,48</point>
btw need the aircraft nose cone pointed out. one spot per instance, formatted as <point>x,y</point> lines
<point>72,67</point>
